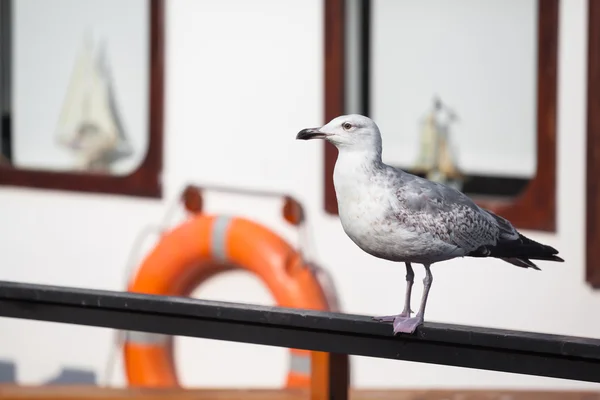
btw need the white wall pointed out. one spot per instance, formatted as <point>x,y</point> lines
<point>242,79</point>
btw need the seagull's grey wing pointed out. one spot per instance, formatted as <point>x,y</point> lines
<point>448,215</point>
<point>505,229</point>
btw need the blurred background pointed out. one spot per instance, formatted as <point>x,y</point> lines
<point>112,108</point>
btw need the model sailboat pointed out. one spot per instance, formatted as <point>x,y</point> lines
<point>436,159</point>
<point>89,123</point>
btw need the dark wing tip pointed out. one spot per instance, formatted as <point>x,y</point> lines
<point>521,262</point>
<point>552,249</point>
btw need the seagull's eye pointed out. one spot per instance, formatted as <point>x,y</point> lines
<point>347,126</point>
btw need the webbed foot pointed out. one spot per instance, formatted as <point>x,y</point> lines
<point>391,318</point>
<point>407,325</point>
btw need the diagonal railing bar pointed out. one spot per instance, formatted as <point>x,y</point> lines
<point>530,353</point>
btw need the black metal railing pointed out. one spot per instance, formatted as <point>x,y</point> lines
<point>529,353</point>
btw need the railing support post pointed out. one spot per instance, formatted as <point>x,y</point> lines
<point>334,383</point>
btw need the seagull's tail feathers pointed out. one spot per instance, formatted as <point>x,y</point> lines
<point>520,252</point>
<point>536,251</point>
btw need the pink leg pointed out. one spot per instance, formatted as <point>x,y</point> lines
<point>409,325</point>
<point>410,278</point>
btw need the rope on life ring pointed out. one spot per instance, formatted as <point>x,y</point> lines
<point>194,251</point>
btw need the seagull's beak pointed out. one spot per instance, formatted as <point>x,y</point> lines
<point>310,133</point>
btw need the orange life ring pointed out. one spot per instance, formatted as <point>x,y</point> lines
<point>199,248</point>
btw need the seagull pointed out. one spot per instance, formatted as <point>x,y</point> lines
<point>396,216</point>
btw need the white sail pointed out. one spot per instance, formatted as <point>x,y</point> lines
<point>446,161</point>
<point>88,124</point>
<point>73,109</point>
<point>426,158</point>
<point>122,146</point>
<point>435,158</point>
<point>98,109</point>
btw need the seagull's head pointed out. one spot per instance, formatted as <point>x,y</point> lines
<point>352,131</point>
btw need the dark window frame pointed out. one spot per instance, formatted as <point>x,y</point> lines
<point>145,181</point>
<point>535,207</point>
